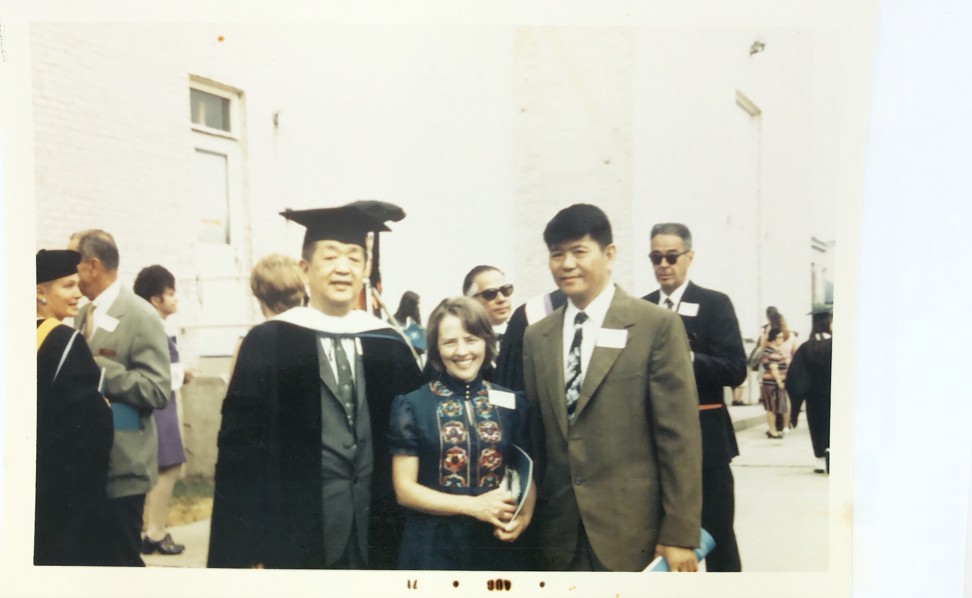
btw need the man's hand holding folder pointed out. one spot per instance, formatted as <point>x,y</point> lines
<point>661,562</point>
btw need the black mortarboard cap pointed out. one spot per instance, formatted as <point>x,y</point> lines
<point>350,223</point>
<point>819,309</point>
<point>56,263</point>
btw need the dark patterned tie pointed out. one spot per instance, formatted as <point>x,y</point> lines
<point>668,304</point>
<point>345,382</point>
<point>574,365</point>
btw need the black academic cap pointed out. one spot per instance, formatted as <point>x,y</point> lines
<point>56,263</point>
<point>819,309</point>
<point>379,210</point>
<point>350,223</point>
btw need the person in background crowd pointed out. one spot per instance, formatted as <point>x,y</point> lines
<point>488,286</point>
<point>74,432</point>
<point>509,363</point>
<point>451,440</point>
<point>129,343</point>
<point>409,319</point>
<point>278,285</point>
<point>303,474</point>
<point>719,361</point>
<point>808,380</point>
<point>156,285</point>
<point>790,337</point>
<point>614,415</point>
<point>773,391</point>
<point>787,349</point>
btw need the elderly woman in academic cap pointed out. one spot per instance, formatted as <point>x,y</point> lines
<point>74,425</point>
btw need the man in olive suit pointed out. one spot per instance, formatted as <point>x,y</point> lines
<point>614,415</point>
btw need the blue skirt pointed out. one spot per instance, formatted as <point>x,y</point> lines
<point>454,543</point>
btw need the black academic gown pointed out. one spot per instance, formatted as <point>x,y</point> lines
<point>74,437</point>
<point>268,505</point>
<point>509,364</point>
<point>808,380</point>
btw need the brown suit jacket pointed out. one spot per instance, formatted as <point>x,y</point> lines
<point>629,467</point>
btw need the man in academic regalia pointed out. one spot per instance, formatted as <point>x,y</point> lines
<point>303,475</point>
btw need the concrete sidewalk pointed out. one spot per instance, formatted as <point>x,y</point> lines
<point>195,536</point>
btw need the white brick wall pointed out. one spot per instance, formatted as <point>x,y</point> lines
<point>480,133</point>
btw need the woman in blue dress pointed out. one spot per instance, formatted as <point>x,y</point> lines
<point>451,442</point>
<point>156,285</point>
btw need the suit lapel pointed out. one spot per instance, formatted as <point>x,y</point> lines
<point>691,295</point>
<point>550,367</point>
<point>324,366</point>
<point>101,334</point>
<point>359,377</point>
<point>603,358</point>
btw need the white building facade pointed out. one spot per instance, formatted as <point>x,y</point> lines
<point>185,141</point>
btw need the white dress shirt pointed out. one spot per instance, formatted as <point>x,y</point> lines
<point>327,343</point>
<point>596,311</point>
<point>676,296</point>
<point>102,303</point>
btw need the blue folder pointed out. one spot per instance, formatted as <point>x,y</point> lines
<point>706,544</point>
<point>125,417</point>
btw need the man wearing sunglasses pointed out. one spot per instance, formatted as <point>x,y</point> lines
<point>487,284</point>
<point>718,360</point>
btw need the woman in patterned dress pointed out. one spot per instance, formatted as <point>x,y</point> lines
<point>772,391</point>
<point>451,440</point>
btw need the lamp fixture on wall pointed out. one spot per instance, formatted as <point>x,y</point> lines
<point>757,47</point>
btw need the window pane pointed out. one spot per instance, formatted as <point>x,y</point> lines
<point>211,197</point>
<point>209,110</point>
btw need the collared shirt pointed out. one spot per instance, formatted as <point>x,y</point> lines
<point>103,302</point>
<point>676,296</point>
<point>327,343</point>
<point>596,312</point>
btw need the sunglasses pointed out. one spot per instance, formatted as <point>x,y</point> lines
<point>490,294</point>
<point>657,257</point>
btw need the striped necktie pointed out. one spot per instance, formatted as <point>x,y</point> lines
<point>574,365</point>
<point>668,304</point>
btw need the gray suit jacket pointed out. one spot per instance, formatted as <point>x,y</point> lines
<point>135,357</point>
<point>346,463</point>
<point>629,467</point>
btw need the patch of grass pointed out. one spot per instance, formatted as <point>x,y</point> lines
<point>192,500</point>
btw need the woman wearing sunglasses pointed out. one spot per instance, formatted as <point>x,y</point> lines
<point>451,442</point>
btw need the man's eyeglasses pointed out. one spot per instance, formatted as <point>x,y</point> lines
<point>657,257</point>
<point>490,294</point>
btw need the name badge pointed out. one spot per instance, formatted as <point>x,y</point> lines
<point>612,339</point>
<point>107,322</point>
<point>688,309</point>
<point>501,398</point>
